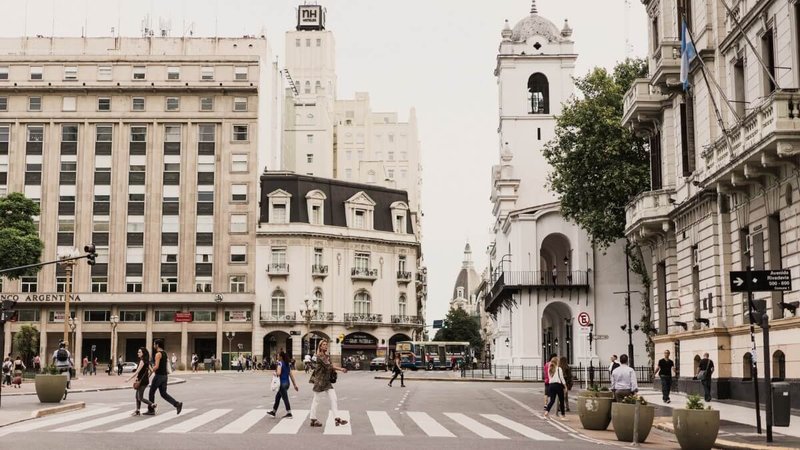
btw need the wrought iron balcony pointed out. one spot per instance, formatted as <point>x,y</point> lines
<point>648,213</point>
<point>407,320</point>
<point>268,317</point>
<point>403,277</point>
<point>319,271</point>
<point>642,102</point>
<point>359,273</point>
<point>506,283</point>
<point>278,269</point>
<point>363,319</point>
<point>323,317</point>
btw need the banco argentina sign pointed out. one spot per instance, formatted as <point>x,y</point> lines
<point>40,298</point>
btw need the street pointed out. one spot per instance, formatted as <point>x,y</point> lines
<point>228,410</point>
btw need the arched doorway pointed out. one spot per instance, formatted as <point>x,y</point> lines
<point>538,94</point>
<point>393,343</point>
<point>557,331</point>
<point>358,349</point>
<point>275,342</point>
<point>555,260</point>
<point>313,339</point>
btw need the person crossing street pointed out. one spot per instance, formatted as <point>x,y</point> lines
<point>397,370</point>
<point>160,380</point>
<point>284,373</point>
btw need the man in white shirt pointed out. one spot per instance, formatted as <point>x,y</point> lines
<point>623,380</point>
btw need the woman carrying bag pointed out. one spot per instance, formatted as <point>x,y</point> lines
<point>557,384</point>
<point>284,374</point>
<point>322,378</point>
<point>142,375</point>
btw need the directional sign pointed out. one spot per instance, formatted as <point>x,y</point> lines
<point>438,323</point>
<point>583,319</point>
<point>761,281</point>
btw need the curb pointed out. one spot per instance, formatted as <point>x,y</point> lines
<point>47,412</point>
<point>725,444</point>
<point>81,391</point>
<point>458,380</point>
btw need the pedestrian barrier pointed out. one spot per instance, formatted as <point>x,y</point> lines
<point>580,373</point>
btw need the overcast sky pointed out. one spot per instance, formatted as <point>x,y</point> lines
<point>435,55</point>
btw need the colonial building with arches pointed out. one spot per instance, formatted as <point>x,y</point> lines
<point>548,287</point>
<point>347,253</point>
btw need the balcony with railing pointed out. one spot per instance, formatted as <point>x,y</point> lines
<point>319,271</point>
<point>407,320</point>
<point>509,282</point>
<point>278,269</point>
<point>642,102</point>
<point>364,274</point>
<point>752,147</point>
<point>666,64</point>
<point>268,317</point>
<point>648,212</point>
<point>403,276</point>
<point>363,318</point>
<point>323,317</point>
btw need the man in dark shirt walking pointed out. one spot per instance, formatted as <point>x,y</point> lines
<point>665,370</point>
<point>160,379</point>
<point>704,371</point>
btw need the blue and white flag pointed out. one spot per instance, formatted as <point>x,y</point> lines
<point>687,54</point>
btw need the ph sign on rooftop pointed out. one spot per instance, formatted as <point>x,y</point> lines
<point>310,17</point>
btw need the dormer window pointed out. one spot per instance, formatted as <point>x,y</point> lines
<point>278,214</point>
<point>360,210</point>
<point>316,215</point>
<point>359,216</point>
<point>316,203</point>
<point>279,206</point>
<point>400,215</point>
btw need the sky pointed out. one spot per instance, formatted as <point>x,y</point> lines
<point>435,55</point>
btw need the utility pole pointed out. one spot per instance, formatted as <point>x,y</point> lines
<point>627,293</point>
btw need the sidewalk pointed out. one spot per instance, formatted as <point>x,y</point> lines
<point>94,383</point>
<point>21,412</point>
<point>737,423</point>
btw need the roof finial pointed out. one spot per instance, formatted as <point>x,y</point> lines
<point>533,7</point>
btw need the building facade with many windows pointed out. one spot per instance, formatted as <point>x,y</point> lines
<point>149,148</point>
<point>724,180</point>
<point>336,260</point>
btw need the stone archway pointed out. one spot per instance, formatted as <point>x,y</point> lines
<point>358,349</point>
<point>555,260</point>
<point>399,337</point>
<point>557,334</point>
<point>275,342</point>
<point>313,338</point>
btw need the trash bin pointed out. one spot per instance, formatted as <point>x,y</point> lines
<point>781,404</point>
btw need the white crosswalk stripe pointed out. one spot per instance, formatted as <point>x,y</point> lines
<point>42,423</point>
<point>244,423</point>
<point>196,421</point>
<point>331,428</point>
<point>291,426</point>
<point>140,424</point>
<point>95,423</point>
<point>382,424</point>
<point>520,428</point>
<point>475,426</point>
<point>430,426</point>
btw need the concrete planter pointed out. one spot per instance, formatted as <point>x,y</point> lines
<point>50,388</point>
<point>696,429</point>
<point>622,418</point>
<point>594,412</point>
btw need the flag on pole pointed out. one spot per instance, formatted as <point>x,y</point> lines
<point>687,54</point>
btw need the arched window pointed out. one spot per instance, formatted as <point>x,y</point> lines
<point>318,299</point>
<point>278,303</point>
<point>747,366</point>
<point>778,365</point>
<point>538,94</point>
<point>317,87</point>
<point>361,304</point>
<point>401,305</point>
<point>307,90</point>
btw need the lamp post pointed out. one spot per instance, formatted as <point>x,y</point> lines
<point>308,312</point>
<point>68,265</point>
<point>114,321</point>
<point>508,346</point>
<point>230,335</point>
<point>73,323</point>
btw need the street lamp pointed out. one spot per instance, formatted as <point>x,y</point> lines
<point>114,321</point>
<point>68,265</point>
<point>230,335</point>
<point>73,323</point>
<point>308,312</point>
<point>508,366</point>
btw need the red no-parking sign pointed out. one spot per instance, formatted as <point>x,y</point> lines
<point>584,320</point>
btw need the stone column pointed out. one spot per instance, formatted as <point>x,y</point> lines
<point>184,338</point>
<point>220,321</point>
<point>7,342</point>
<point>43,356</point>
<point>77,358</point>
<point>148,340</point>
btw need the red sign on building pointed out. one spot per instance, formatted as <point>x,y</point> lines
<point>183,317</point>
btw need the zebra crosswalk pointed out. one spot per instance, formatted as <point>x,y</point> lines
<point>117,419</point>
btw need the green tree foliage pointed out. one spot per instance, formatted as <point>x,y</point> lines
<point>599,165</point>
<point>460,326</point>
<point>26,343</point>
<point>19,239</point>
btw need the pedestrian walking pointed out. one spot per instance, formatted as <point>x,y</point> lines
<point>547,379</point>
<point>62,359</point>
<point>623,380</point>
<point>704,371</point>
<point>665,369</point>
<point>194,362</point>
<point>119,366</point>
<point>323,377</point>
<point>307,362</point>
<point>94,366</point>
<point>556,387</point>
<point>85,366</point>
<point>564,365</point>
<point>37,364</point>
<point>7,366</point>
<point>284,373</point>
<point>172,361</point>
<point>160,380</point>
<point>241,364</point>
<point>142,375</point>
<point>214,363</point>
<point>613,366</point>
<point>397,370</point>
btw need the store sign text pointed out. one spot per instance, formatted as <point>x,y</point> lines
<point>48,298</point>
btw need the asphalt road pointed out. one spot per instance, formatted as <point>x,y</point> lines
<point>228,410</point>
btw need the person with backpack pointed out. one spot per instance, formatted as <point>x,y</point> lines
<point>704,371</point>
<point>62,359</point>
<point>284,373</point>
<point>160,380</point>
<point>7,365</point>
<point>142,375</point>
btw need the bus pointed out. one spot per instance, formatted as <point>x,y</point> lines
<point>432,355</point>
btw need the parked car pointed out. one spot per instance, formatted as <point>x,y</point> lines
<point>129,367</point>
<point>377,364</point>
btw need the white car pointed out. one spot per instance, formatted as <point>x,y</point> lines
<point>129,367</point>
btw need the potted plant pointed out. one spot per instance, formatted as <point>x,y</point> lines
<point>594,408</point>
<point>696,426</point>
<point>50,385</point>
<point>622,416</point>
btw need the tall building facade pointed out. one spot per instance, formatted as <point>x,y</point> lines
<point>548,288</point>
<point>149,148</point>
<point>724,159</point>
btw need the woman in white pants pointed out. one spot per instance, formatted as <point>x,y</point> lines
<point>321,379</point>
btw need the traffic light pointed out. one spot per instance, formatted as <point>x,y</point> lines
<point>91,256</point>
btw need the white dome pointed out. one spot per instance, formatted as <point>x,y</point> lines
<point>535,25</point>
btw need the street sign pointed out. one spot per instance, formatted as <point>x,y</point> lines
<point>438,323</point>
<point>583,319</point>
<point>761,280</point>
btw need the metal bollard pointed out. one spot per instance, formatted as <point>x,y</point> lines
<point>635,424</point>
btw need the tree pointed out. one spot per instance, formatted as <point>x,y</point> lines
<point>26,343</point>
<point>19,239</point>
<point>599,165</point>
<point>460,326</point>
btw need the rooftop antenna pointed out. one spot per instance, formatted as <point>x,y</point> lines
<point>165,26</point>
<point>628,46</point>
